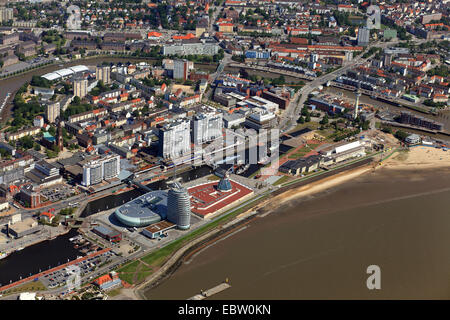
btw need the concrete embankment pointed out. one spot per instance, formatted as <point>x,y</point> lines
<point>177,258</point>
<point>210,292</point>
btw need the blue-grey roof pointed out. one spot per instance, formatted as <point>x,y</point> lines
<point>144,210</point>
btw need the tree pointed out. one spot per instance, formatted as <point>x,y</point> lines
<point>324,120</point>
<point>76,100</point>
<point>308,118</point>
<point>401,135</point>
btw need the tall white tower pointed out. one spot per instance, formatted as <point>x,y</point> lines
<point>355,112</point>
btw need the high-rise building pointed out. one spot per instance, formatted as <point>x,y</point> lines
<point>6,14</point>
<point>80,87</point>
<point>103,73</point>
<point>175,139</point>
<point>363,36</point>
<point>179,206</point>
<point>207,127</point>
<point>180,69</point>
<point>111,167</point>
<point>52,111</point>
<point>97,170</point>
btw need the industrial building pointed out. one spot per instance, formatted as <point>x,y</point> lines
<point>343,151</point>
<point>300,166</point>
<point>107,233</point>
<point>65,73</point>
<point>21,228</point>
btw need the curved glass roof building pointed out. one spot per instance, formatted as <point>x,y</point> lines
<point>144,210</point>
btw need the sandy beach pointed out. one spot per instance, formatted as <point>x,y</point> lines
<point>419,157</point>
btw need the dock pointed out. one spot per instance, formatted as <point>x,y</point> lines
<point>210,292</point>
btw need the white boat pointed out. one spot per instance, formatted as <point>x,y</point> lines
<point>21,248</point>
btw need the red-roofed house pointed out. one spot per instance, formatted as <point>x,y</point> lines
<point>47,216</point>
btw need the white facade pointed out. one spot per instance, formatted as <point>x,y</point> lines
<point>347,146</point>
<point>207,127</point>
<point>175,139</point>
<point>101,169</point>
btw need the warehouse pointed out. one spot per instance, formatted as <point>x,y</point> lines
<point>302,165</point>
<point>107,233</point>
<point>23,228</point>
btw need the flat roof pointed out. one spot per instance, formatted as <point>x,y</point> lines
<point>206,199</point>
<point>79,68</point>
<point>24,225</point>
<point>160,226</point>
<point>51,76</point>
<point>64,72</point>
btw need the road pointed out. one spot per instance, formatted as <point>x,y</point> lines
<point>288,118</point>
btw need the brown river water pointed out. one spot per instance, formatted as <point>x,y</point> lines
<point>319,247</point>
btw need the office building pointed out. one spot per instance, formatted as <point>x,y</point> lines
<point>174,139</point>
<point>179,206</point>
<point>363,36</point>
<point>207,127</point>
<point>97,170</point>
<point>103,73</point>
<point>180,69</point>
<point>80,87</point>
<point>30,197</point>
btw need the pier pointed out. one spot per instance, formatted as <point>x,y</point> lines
<point>210,292</point>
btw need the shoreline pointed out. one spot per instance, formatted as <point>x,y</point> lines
<point>261,209</point>
<point>267,206</point>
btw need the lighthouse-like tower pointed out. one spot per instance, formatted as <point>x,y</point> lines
<point>59,135</point>
<point>355,111</point>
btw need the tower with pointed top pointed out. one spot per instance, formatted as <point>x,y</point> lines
<point>59,136</point>
<point>355,112</point>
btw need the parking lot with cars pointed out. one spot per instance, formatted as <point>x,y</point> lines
<point>60,277</point>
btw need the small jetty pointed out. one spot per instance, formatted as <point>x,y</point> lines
<point>210,292</point>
